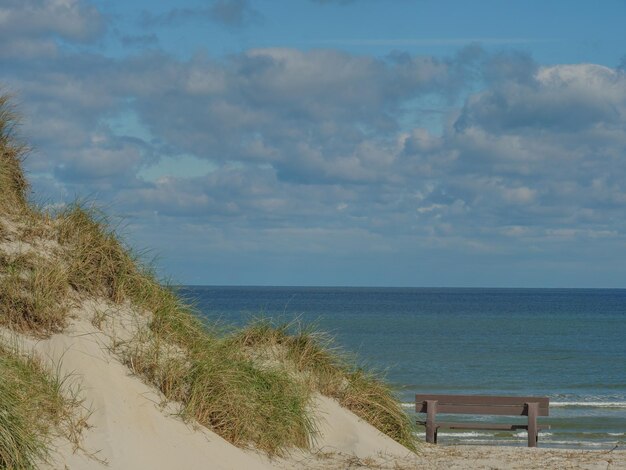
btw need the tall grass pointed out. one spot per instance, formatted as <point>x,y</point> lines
<point>230,394</point>
<point>13,184</point>
<point>33,294</point>
<point>34,409</point>
<point>218,385</point>
<point>329,371</point>
<point>98,264</point>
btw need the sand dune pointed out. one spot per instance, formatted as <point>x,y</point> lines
<point>130,426</point>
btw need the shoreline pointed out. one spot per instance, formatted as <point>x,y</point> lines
<point>521,442</point>
<point>513,458</point>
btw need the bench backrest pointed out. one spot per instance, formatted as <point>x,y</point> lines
<point>482,404</point>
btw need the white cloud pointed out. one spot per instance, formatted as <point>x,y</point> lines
<point>304,144</point>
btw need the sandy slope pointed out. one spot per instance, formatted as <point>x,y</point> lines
<point>128,425</point>
<point>129,428</point>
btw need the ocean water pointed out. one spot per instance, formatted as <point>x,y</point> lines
<point>568,344</point>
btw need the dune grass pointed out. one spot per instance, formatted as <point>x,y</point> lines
<point>13,184</point>
<point>34,408</point>
<point>98,263</point>
<point>33,294</point>
<point>331,372</point>
<point>224,390</point>
<point>217,385</point>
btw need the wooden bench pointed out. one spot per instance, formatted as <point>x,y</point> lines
<point>482,405</point>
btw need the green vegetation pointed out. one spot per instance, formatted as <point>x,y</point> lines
<point>33,292</point>
<point>33,409</point>
<point>328,371</point>
<point>13,184</point>
<point>226,391</point>
<point>226,381</point>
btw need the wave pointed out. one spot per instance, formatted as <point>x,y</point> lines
<point>565,404</point>
<point>588,404</point>
<point>547,443</point>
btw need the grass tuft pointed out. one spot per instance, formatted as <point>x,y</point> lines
<point>12,180</point>
<point>33,294</point>
<point>330,372</point>
<point>218,385</point>
<point>33,410</point>
<point>99,265</point>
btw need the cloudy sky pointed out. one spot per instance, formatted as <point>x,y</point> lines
<point>335,142</point>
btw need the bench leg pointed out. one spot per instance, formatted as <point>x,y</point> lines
<point>431,426</point>
<point>533,409</point>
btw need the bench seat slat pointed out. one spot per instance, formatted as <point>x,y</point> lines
<point>485,426</point>
<point>507,410</point>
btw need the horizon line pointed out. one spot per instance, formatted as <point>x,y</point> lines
<point>311,286</point>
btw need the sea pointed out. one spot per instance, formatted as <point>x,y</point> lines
<point>567,344</point>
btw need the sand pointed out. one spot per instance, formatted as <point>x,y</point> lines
<point>130,426</point>
<point>518,458</point>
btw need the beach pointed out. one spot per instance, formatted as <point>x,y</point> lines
<point>473,457</point>
<point>502,457</point>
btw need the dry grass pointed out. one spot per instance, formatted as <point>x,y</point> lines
<point>98,264</point>
<point>12,181</point>
<point>36,405</point>
<point>327,370</point>
<point>33,294</point>
<point>218,385</point>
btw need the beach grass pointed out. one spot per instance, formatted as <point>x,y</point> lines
<point>330,371</point>
<point>12,180</point>
<point>219,386</point>
<point>33,294</point>
<point>35,406</point>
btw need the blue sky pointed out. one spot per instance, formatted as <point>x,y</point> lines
<point>321,142</point>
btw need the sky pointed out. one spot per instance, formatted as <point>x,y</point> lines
<point>334,142</point>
